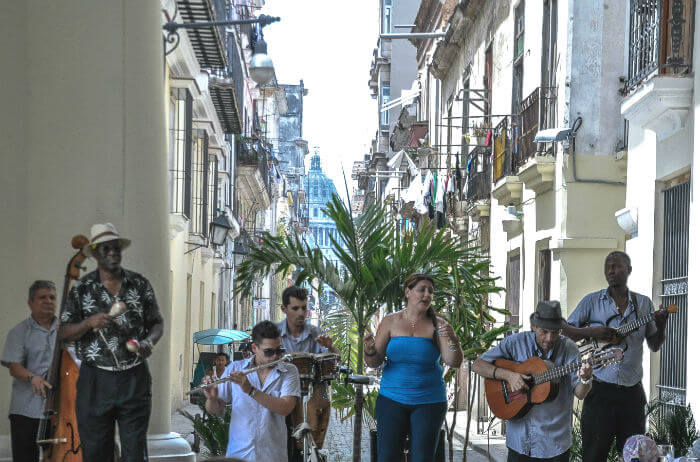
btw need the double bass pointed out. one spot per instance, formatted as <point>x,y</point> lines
<point>58,438</point>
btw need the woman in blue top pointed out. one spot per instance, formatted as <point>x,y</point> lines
<point>412,399</point>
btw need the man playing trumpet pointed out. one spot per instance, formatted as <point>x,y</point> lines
<point>260,400</point>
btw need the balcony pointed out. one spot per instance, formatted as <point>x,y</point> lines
<point>209,42</point>
<point>253,157</point>
<point>537,112</point>
<point>660,40</point>
<point>660,86</point>
<point>479,175</point>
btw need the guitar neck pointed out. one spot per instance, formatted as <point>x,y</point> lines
<point>556,372</point>
<point>629,327</point>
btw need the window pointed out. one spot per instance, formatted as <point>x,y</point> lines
<point>315,212</point>
<point>488,82</point>
<point>545,275</point>
<point>513,289</point>
<point>518,49</point>
<point>549,43</point>
<point>213,182</point>
<point>180,155</point>
<point>200,165</point>
<point>386,97</point>
<point>386,17</point>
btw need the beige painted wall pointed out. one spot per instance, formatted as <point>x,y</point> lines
<point>84,128</point>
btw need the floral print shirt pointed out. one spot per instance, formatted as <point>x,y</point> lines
<point>107,347</point>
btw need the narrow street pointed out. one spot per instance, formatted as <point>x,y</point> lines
<point>338,447</point>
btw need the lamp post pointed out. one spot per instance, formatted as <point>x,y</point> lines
<point>261,69</point>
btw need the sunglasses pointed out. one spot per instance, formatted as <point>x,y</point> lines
<point>106,248</point>
<point>269,352</point>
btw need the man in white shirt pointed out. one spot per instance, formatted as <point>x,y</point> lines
<point>260,400</point>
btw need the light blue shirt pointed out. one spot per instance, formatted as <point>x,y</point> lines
<point>257,434</point>
<point>31,346</point>
<point>306,342</point>
<point>599,309</point>
<point>545,431</point>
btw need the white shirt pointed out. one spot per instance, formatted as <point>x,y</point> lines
<point>257,434</point>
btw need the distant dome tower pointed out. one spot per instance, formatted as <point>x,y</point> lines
<point>319,191</point>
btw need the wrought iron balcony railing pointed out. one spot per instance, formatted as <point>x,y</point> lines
<point>538,111</point>
<point>479,174</point>
<point>660,40</point>
<point>255,153</point>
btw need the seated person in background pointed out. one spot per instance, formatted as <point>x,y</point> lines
<point>220,363</point>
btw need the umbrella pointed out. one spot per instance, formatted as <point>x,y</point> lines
<point>218,336</point>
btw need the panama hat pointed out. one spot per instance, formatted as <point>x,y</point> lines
<point>548,315</point>
<point>103,232</point>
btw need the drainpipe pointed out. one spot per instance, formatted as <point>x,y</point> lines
<point>574,128</point>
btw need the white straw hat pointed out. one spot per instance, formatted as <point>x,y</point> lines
<point>103,232</point>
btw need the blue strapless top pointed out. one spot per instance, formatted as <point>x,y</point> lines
<point>412,373</point>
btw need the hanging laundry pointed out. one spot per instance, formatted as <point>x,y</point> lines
<point>433,189</point>
<point>489,135</point>
<point>414,192</point>
<point>515,138</point>
<point>440,195</point>
<point>469,164</point>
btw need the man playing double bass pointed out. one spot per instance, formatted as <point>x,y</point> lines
<point>114,384</point>
<point>544,433</point>
<point>28,353</point>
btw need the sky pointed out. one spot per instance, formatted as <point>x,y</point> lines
<point>329,44</point>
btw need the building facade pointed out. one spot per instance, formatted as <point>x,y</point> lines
<point>612,167</point>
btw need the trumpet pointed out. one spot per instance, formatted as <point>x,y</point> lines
<point>285,358</point>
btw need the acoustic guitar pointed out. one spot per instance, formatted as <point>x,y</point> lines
<point>622,331</point>
<point>508,404</point>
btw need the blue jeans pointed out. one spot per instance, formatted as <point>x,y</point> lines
<point>421,422</point>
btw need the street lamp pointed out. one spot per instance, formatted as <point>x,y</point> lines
<point>218,230</point>
<point>261,69</point>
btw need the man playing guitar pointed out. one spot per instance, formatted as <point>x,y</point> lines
<point>615,406</point>
<point>544,433</point>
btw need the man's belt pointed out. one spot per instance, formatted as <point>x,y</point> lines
<point>121,368</point>
<point>614,385</point>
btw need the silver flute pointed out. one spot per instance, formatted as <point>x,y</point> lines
<point>285,358</point>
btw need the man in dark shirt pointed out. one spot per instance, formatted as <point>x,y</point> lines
<point>114,384</point>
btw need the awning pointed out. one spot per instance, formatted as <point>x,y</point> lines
<point>219,336</point>
<point>224,98</point>
<point>207,42</point>
<point>418,132</point>
<point>397,161</point>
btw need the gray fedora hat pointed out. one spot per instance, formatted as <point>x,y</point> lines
<point>548,315</point>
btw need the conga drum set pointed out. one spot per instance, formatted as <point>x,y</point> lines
<point>312,413</point>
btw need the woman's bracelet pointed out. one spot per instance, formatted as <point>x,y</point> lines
<point>494,372</point>
<point>585,381</point>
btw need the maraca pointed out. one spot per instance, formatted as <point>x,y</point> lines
<point>115,310</point>
<point>133,345</point>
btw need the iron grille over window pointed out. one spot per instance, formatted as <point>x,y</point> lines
<point>200,166</point>
<point>674,289</point>
<point>661,38</point>
<point>180,155</point>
